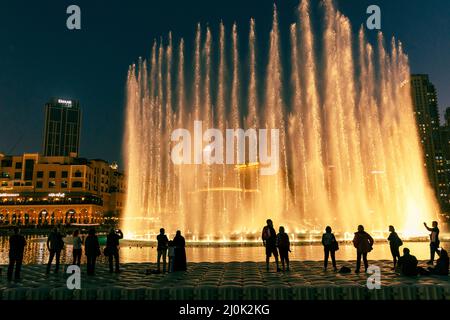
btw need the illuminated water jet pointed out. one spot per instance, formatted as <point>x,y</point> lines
<point>349,147</point>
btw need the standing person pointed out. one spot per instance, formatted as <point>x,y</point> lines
<point>363,243</point>
<point>434,239</point>
<point>394,243</point>
<point>179,263</point>
<point>17,244</point>
<point>77,251</point>
<point>283,245</point>
<point>55,244</point>
<point>171,253</point>
<point>163,242</point>
<point>112,246</point>
<point>269,238</point>
<point>330,245</point>
<point>92,251</point>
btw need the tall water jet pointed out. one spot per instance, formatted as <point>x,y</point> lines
<point>349,149</point>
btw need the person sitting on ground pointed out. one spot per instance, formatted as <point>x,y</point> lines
<point>363,243</point>
<point>269,238</point>
<point>442,264</point>
<point>330,246</point>
<point>407,264</point>
<point>394,243</point>
<point>283,245</point>
<point>17,245</point>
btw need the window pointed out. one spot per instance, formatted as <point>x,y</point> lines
<point>6,163</point>
<point>28,183</point>
<point>39,185</point>
<point>18,165</point>
<point>64,174</point>
<point>64,184</point>
<point>51,184</point>
<point>16,184</point>
<point>4,184</point>
<point>4,175</point>
<point>18,175</point>
<point>52,174</point>
<point>40,174</point>
<point>77,184</point>
<point>77,174</point>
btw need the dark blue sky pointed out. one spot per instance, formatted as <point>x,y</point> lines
<point>40,58</point>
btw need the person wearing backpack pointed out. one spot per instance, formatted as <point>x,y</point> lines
<point>394,243</point>
<point>283,245</point>
<point>269,238</point>
<point>330,246</point>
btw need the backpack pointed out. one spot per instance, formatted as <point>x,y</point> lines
<point>334,244</point>
<point>345,269</point>
<point>265,233</point>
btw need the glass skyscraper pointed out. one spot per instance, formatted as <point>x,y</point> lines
<point>62,127</point>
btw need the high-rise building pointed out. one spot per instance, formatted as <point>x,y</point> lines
<point>62,128</point>
<point>424,98</point>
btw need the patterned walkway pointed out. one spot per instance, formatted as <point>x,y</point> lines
<point>225,281</point>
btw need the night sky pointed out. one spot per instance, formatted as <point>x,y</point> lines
<point>40,58</point>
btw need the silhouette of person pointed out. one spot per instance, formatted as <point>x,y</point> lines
<point>442,264</point>
<point>407,264</point>
<point>112,246</point>
<point>55,244</point>
<point>179,263</point>
<point>283,245</point>
<point>330,245</point>
<point>171,254</point>
<point>163,242</point>
<point>92,251</point>
<point>394,243</point>
<point>269,238</point>
<point>17,245</point>
<point>363,243</point>
<point>77,247</point>
<point>434,239</point>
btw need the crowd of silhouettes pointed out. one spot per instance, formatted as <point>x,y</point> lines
<point>276,245</point>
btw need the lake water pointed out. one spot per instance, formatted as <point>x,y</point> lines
<point>36,252</point>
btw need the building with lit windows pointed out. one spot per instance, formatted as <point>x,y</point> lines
<point>42,190</point>
<point>62,127</point>
<point>425,104</point>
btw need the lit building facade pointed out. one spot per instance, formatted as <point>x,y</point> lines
<point>425,103</point>
<point>62,127</point>
<point>40,190</point>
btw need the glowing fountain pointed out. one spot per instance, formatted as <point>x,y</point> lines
<point>349,147</point>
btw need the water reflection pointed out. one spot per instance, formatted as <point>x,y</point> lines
<point>37,253</point>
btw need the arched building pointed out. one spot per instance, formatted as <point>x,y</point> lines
<point>37,190</point>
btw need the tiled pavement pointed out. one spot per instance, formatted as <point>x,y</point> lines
<point>219,281</point>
